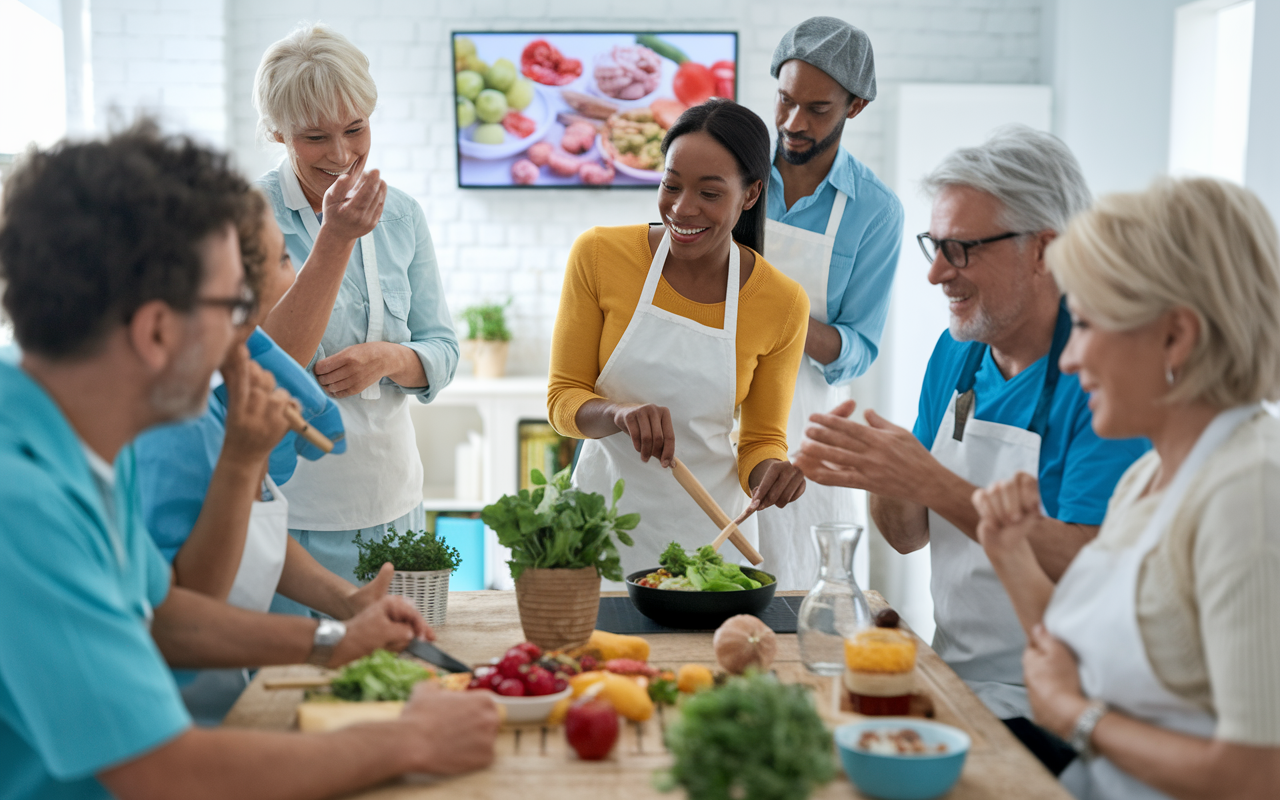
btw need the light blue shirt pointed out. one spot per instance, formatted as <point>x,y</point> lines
<point>82,685</point>
<point>415,313</point>
<point>864,259</point>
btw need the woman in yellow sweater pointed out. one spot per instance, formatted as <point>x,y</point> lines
<point>664,330</point>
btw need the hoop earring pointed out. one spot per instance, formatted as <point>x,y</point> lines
<point>1168,375</point>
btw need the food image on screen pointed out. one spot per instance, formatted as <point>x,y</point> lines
<point>579,109</point>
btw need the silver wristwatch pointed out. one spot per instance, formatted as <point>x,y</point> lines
<point>1082,733</point>
<point>328,633</point>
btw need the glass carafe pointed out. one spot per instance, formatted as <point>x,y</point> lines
<point>835,608</point>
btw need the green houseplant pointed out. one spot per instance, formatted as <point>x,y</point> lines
<point>561,542</point>
<point>488,338</point>
<point>422,563</point>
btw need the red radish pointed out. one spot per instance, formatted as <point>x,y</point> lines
<point>511,663</point>
<point>724,72</point>
<point>511,688</point>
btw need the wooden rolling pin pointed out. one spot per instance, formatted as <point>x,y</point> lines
<point>307,432</point>
<point>708,504</point>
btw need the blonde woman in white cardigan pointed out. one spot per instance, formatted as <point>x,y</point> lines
<point>1157,653</point>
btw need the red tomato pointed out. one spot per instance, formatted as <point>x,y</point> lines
<point>529,648</point>
<point>693,84</point>
<point>591,728</point>
<point>518,124</point>
<point>511,688</point>
<point>724,72</point>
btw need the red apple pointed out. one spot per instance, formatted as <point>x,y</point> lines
<point>591,728</point>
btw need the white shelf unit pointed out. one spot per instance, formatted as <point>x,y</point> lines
<point>501,404</point>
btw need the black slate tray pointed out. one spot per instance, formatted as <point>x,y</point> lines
<point>618,615</point>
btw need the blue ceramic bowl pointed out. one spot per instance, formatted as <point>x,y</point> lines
<point>894,777</point>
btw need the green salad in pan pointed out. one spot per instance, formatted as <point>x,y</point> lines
<point>704,570</point>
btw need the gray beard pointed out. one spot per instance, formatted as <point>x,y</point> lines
<point>181,393</point>
<point>985,326</point>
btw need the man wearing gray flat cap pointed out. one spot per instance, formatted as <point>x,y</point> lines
<point>836,229</point>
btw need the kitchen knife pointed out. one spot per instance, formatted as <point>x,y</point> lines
<point>431,654</point>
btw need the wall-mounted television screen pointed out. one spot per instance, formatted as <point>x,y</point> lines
<point>579,109</point>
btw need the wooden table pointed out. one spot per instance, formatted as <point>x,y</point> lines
<point>533,765</point>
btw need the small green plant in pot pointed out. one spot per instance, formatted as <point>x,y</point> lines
<point>422,566</point>
<point>488,338</point>
<point>561,542</point>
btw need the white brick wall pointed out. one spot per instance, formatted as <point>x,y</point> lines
<point>493,243</point>
<point>166,57</point>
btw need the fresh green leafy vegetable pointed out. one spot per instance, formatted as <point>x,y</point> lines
<point>378,676</point>
<point>751,739</point>
<point>558,527</point>
<point>408,551</point>
<point>664,690</point>
<point>706,569</point>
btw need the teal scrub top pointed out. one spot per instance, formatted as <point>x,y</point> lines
<point>83,686</point>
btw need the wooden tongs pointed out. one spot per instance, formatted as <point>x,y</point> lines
<point>728,528</point>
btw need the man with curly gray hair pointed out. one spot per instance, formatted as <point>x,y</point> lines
<point>994,403</point>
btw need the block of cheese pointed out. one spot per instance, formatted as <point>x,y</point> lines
<point>316,717</point>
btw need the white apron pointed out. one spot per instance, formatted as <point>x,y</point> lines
<point>264,550</point>
<point>1094,611</point>
<point>691,369</point>
<point>978,633</point>
<point>379,433</point>
<point>805,257</point>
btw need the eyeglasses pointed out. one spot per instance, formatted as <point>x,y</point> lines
<point>241,307</point>
<point>956,251</point>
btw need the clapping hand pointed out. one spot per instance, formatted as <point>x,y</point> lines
<point>1007,512</point>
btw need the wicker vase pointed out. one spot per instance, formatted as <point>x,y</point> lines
<point>491,359</point>
<point>427,591</point>
<point>558,607</point>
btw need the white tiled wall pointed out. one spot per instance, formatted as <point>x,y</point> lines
<point>196,61</point>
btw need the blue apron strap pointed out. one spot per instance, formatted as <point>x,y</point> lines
<point>1061,333</point>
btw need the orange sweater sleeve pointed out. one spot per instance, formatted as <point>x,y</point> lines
<point>575,340</point>
<point>767,405</point>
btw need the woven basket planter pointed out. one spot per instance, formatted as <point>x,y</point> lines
<point>558,607</point>
<point>427,591</point>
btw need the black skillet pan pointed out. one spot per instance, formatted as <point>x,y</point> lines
<point>699,610</point>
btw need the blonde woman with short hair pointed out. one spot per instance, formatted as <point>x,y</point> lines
<point>1157,653</point>
<point>367,314</point>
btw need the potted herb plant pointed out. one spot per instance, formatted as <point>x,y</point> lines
<point>422,565</point>
<point>488,338</point>
<point>561,542</point>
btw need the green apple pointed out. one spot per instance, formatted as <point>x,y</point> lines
<point>491,105</point>
<point>469,84</point>
<point>463,46</point>
<point>466,112</point>
<point>520,95</point>
<point>501,75</point>
<point>474,63</point>
<point>489,134</point>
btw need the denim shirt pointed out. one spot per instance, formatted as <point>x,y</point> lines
<point>864,259</point>
<point>415,313</point>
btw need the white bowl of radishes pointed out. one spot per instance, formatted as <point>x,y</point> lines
<point>527,690</point>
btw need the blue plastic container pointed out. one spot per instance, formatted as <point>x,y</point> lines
<point>895,777</point>
<point>468,536</point>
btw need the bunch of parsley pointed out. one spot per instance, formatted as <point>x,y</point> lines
<point>408,552</point>
<point>751,739</point>
<point>558,527</point>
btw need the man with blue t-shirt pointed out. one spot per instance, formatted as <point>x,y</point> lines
<point>994,403</point>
